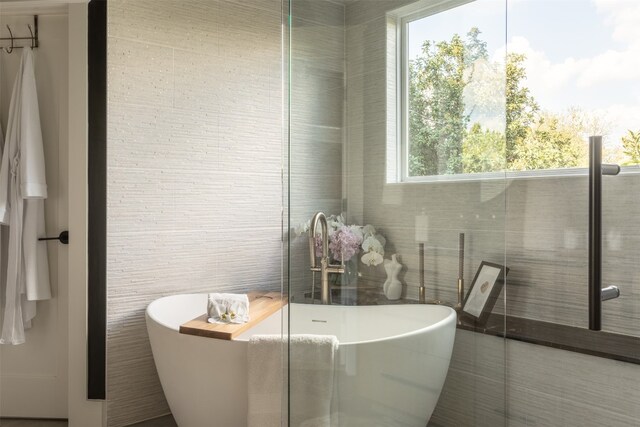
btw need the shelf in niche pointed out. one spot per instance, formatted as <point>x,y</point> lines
<point>625,348</point>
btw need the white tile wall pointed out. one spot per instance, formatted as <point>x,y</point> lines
<point>317,122</point>
<point>195,144</point>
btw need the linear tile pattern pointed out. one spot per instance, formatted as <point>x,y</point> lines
<point>556,387</point>
<point>474,392</point>
<point>194,167</point>
<point>541,387</point>
<point>317,122</point>
<point>547,250</point>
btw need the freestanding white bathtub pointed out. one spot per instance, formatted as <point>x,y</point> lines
<point>393,360</point>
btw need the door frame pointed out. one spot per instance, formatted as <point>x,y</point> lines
<point>82,411</point>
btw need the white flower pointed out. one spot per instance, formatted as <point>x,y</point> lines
<point>371,244</point>
<point>335,222</point>
<point>369,230</point>
<point>303,228</point>
<point>357,230</point>
<point>372,259</point>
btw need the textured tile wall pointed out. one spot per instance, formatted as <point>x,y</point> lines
<point>317,122</point>
<point>541,387</point>
<point>474,392</point>
<point>195,146</point>
<point>550,387</point>
<point>547,249</point>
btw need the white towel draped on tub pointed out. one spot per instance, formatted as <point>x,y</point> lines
<point>312,371</point>
<point>23,189</point>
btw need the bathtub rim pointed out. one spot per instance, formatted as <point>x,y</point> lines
<point>450,317</point>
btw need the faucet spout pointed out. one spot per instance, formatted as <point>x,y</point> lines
<point>325,266</point>
<point>319,217</point>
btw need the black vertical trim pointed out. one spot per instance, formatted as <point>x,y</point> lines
<point>97,200</point>
<point>595,233</point>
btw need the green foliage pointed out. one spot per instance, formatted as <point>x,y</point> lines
<point>490,151</point>
<point>441,140</point>
<point>521,108</point>
<point>438,123</point>
<point>483,150</point>
<point>631,147</point>
<point>475,48</point>
<point>554,141</point>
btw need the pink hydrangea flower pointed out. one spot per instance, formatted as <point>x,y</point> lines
<point>344,243</point>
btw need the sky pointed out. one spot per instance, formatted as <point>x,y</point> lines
<point>580,53</point>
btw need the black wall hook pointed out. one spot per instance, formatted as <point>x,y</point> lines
<point>63,238</point>
<point>9,49</point>
<point>32,38</point>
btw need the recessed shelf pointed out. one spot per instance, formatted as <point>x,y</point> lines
<point>609,345</point>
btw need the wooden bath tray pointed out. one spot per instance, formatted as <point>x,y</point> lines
<point>261,306</point>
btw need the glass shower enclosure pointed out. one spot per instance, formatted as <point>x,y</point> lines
<point>477,159</point>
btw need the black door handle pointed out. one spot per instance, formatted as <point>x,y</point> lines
<point>63,238</point>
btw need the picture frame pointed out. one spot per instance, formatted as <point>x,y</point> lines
<point>483,292</point>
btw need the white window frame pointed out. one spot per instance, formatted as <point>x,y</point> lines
<point>398,149</point>
<point>403,16</point>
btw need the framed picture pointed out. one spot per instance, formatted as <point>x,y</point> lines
<point>484,291</point>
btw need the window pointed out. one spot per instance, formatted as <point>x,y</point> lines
<point>478,97</point>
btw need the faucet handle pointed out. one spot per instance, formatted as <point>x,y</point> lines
<point>337,268</point>
<point>334,268</point>
<point>312,250</point>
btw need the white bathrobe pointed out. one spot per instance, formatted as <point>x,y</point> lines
<point>23,189</point>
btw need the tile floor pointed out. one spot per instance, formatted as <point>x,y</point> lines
<point>166,421</point>
<point>13,422</point>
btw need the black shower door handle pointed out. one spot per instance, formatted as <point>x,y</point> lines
<point>596,293</point>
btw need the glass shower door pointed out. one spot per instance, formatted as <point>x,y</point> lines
<point>577,82</point>
<point>401,168</point>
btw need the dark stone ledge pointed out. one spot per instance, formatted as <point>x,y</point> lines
<point>625,348</point>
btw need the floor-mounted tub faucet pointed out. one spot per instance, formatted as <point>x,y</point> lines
<point>325,267</point>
